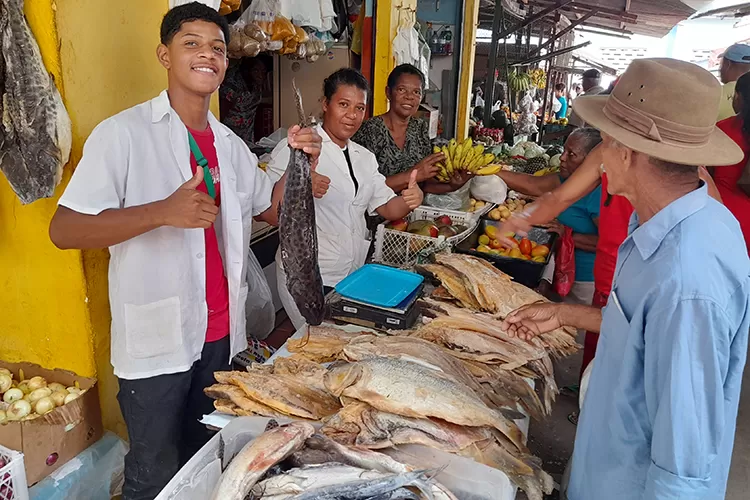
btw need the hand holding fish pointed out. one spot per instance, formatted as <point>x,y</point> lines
<point>413,195</point>
<point>188,208</point>
<point>320,182</point>
<point>306,139</point>
<point>532,320</point>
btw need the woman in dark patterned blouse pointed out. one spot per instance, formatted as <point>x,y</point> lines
<point>401,142</point>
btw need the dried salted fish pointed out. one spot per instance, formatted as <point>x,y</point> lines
<point>412,390</point>
<point>282,394</point>
<point>35,133</point>
<point>298,233</point>
<point>322,343</point>
<point>238,398</point>
<point>259,455</point>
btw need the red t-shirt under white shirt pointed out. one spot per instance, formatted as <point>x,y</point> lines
<point>614,219</point>
<point>217,288</point>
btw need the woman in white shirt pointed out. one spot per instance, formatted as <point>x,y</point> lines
<point>346,184</point>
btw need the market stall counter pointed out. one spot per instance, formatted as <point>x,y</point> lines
<point>448,400</point>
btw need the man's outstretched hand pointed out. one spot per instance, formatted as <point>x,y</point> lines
<point>533,320</point>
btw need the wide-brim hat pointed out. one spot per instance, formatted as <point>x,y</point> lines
<point>666,109</point>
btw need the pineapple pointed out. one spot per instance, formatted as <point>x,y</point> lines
<point>534,165</point>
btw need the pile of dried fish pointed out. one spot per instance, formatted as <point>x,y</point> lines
<point>292,387</point>
<point>35,133</point>
<point>292,461</point>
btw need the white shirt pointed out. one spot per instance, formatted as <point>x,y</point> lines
<point>340,214</point>
<point>157,281</point>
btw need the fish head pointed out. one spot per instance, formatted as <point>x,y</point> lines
<point>342,376</point>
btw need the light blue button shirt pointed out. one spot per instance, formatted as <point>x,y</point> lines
<point>659,416</point>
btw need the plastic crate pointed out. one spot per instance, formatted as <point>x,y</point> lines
<point>525,272</point>
<point>12,476</point>
<point>402,249</point>
<point>427,212</point>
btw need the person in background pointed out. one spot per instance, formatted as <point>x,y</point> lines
<point>401,142</point>
<point>582,216</point>
<point>735,62</point>
<point>176,283</point>
<point>346,183</point>
<point>478,96</point>
<point>591,85</point>
<point>560,96</point>
<point>659,417</point>
<point>726,177</point>
<point>478,115</point>
<point>240,95</point>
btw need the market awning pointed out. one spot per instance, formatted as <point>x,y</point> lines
<point>624,17</point>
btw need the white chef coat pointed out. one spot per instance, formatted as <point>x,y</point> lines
<point>340,214</point>
<point>157,281</point>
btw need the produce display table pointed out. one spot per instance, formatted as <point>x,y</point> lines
<point>478,482</point>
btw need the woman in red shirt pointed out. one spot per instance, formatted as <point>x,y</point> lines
<point>738,128</point>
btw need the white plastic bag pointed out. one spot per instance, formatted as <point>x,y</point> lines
<point>490,188</point>
<point>459,199</point>
<point>259,309</point>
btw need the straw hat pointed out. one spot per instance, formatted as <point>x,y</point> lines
<point>666,109</point>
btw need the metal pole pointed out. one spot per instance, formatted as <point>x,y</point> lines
<point>549,78</point>
<point>489,85</point>
<point>552,8</point>
<point>505,62</point>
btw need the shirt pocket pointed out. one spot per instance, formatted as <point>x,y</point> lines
<point>153,329</point>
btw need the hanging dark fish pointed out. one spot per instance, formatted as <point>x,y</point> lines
<point>298,233</point>
<point>35,133</point>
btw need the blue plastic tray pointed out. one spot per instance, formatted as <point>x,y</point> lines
<point>378,285</point>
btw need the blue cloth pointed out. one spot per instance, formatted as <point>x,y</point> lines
<point>659,416</point>
<point>563,109</point>
<point>580,218</point>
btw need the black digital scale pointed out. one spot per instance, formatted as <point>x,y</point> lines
<point>400,317</point>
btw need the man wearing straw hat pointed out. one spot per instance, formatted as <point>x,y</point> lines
<point>659,417</point>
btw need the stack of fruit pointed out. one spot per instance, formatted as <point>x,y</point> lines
<point>538,78</point>
<point>519,82</point>
<point>464,157</point>
<point>526,249</point>
<point>488,136</point>
<point>504,211</point>
<point>440,226</point>
<point>476,205</point>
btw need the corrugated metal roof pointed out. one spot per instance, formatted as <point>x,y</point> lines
<point>644,17</point>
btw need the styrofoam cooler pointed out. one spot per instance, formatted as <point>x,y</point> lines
<point>13,476</point>
<point>468,480</point>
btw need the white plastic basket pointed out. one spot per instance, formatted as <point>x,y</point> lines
<point>12,476</point>
<point>402,249</point>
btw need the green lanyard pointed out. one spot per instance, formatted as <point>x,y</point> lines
<point>202,163</point>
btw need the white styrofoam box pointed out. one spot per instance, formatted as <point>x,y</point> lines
<point>12,476</point>
<point>468,480</point>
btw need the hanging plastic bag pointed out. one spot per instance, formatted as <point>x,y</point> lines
<point>259,309</point>
<point>459,199</point>
<point>565,264</point>
<point>490,188</point>
<point>263,13</point>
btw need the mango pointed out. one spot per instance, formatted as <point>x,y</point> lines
<point>491,232</point>
<point>484,240</point>
<point>539,258</point>
<point>540,251</point>
<point>515,253</point>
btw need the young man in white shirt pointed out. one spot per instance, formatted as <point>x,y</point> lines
<point>172,192</point>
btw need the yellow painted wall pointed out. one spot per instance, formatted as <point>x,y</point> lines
<point>56,313</point>
<point>45,318</point>
<point>468,51</point>
<point>386,27</point>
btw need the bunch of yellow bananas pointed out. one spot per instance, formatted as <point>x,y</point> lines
<point>464,156</point>
<point>538,78</point>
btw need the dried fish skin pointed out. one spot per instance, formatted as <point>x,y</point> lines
<point>362,425</point>
<point>259,455</point>
<point>299,237</point>
<point>238,398</point>
<point>35,135</point>
<point>412,390</point>
<point>282,394</point>
<point>322,344</point>
<point>369,488</point>
<point>299,480</point>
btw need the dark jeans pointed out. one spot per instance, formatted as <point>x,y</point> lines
<point>161,414</point>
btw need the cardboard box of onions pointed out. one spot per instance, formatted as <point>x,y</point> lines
<point>48,415</point>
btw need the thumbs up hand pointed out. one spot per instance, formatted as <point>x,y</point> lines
<point>413,195</point>
<point>189,208</point>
